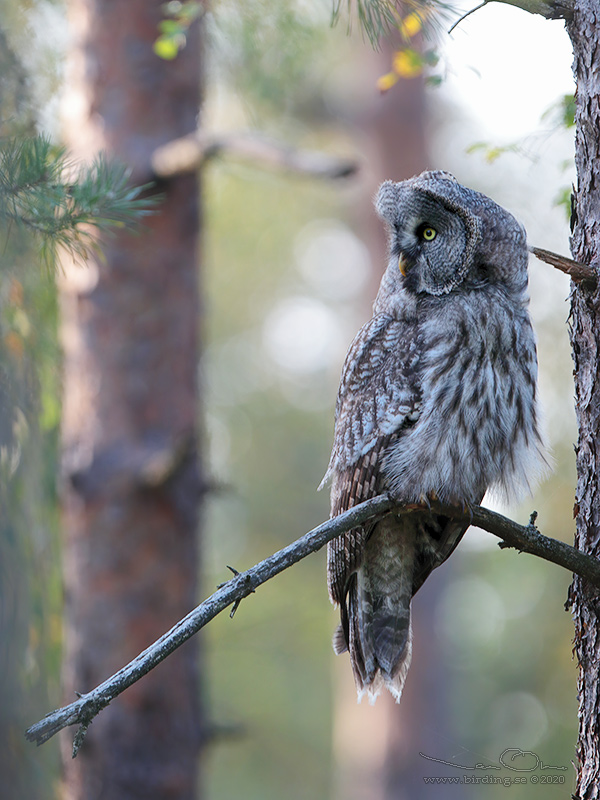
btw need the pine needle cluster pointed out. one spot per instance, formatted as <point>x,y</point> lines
<point>379,18</point>
<point>64,205</point>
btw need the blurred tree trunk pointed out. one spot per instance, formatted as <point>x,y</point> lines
<point>132,480</point>
<point>29,604</point>
<point>376,747</point>
<point>585,338</point>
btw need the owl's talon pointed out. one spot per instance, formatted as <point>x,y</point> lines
<point>409,506</point>
<point>415,506</point>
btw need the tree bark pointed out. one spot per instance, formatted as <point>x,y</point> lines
<point>585,339</point>
<point>132,480</point>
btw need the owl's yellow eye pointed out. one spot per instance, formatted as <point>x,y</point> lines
<point>428,233</point>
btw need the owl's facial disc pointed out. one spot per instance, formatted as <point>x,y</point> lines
<point>430,243</point>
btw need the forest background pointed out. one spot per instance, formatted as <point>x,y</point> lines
<point>290,268</point>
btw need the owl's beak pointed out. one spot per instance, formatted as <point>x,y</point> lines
<point>402,266</point>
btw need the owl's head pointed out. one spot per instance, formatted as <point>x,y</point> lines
<point>444,235</point>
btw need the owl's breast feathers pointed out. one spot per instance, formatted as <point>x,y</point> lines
<point>478,425</point>
<point>442,400</point>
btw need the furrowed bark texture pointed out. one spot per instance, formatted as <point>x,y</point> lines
<point>585,336</point>
<point>132,482</point>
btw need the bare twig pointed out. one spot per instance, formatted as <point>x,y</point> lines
<point>576,270</point>
<point>524,538</point>
<point>467,14</point>
<point>190,153</point>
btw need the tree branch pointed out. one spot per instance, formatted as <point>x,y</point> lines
<point>550,9</point>
<point>575,269</point>
<point>189,153</point>
<point>527,539</point>
<point>524,538</point>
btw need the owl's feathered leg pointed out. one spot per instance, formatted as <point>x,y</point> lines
<point>379,635</point>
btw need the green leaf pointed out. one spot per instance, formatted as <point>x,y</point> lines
<point>431,58</point>
<point>562,112</point>
<point>492,152</point>
<point>568,108</point>
<point>477,147</point>
<point>170,27</point>
<point>563,200</point>
<point>174,30</point>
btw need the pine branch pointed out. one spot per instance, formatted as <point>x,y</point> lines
<point>524,538</point>
<point>35,194</point>
<point>379,18</point>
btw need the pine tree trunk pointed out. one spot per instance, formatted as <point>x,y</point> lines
<point>585,336</point>
<point>130,417</point>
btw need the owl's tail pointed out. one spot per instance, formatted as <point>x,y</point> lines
<point>378,612</point>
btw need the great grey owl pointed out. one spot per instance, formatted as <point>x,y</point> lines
<point>437,400</point>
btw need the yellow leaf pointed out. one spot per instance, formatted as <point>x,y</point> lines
<point>386,82</point>
<point>411,25</point>
<point>165,47</point>
<point>407,64</point>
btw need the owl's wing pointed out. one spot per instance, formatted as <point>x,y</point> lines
<point>377,399</point>
<point>350,487</point>
<point>378,392</point>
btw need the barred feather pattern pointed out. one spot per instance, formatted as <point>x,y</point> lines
<point>437,399</point>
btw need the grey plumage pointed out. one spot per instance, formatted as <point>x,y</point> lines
<point>437,400</point>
